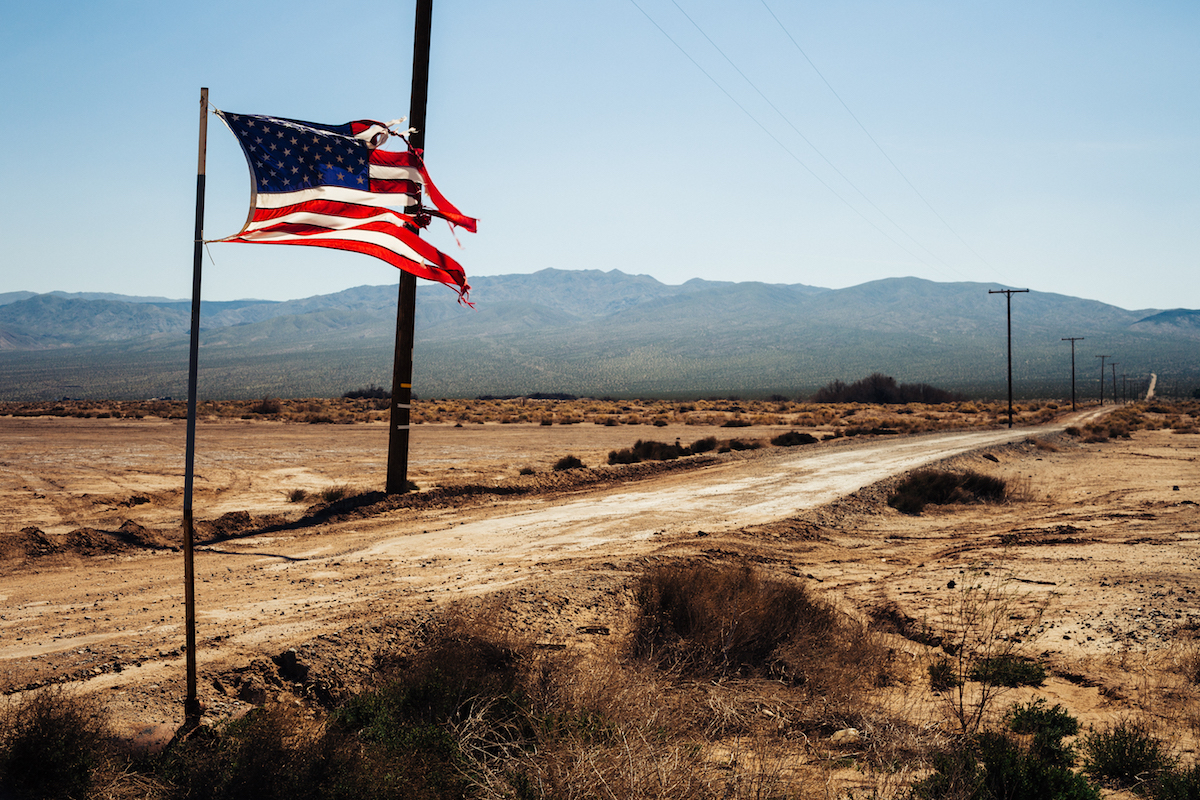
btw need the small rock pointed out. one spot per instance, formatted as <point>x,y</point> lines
<point>845,736</point>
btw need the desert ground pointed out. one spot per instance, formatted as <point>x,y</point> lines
<point>1098,542</point>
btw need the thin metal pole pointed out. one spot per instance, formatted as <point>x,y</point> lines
<point>406,305</point>
<point>1009,293</point>
<point>1073,340</point>
<point>191,704</point>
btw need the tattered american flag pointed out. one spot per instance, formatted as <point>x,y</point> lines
<point>330,185</point>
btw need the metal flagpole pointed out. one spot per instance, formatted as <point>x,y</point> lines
<point>397,469</point>
<point>191,704</point>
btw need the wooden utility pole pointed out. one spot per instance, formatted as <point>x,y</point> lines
<point>1073,340</point>
<point>406,307</point>
<point>1113,364</point>
<point>191,702</point>
<point>1009,293</point>
<point>1102,377</point>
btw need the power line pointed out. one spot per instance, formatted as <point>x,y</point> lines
<point>808,141</point>
<point>878,146</point>
<point>773,137</point>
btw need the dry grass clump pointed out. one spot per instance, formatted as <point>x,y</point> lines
<point>331,494</point>
<point>938,487</point>
<point>706,622</point>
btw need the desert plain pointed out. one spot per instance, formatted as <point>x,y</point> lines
<point>1098,543</point>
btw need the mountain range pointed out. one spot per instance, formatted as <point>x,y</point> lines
<point>589,333</point>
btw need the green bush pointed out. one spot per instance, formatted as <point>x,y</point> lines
<point>1009,670</point>
<point>1034,717</point>
<point>1125,755</point>
<point>1048,726</point>
<point>1183,784</point>
<point>993,765</point>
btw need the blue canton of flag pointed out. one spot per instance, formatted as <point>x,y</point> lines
<point>288,156</point>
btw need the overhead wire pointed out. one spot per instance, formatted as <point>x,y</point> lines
<point>773,137</point>
<point>809,142</point>
<point>878,146</point>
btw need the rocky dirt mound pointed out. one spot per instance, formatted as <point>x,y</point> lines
<point>29,542</point>
<point>33,543</point>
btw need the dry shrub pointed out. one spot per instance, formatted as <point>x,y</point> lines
<point>331,494</point>
<point>52,744</point>
<point>938,487</point>
<point>273,752</point>
<point>647,450</point>
<point>711,622</point>
<point>267,405</point>
<point>566,463</point>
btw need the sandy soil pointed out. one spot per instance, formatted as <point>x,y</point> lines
<point>1106,534</point>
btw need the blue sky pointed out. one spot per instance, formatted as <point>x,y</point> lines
<point>1054,146</point>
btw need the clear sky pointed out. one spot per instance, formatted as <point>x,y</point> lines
<point>1045,145</point>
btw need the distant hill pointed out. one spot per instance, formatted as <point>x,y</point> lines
<point>588,333</point>
<point>1177,322</point>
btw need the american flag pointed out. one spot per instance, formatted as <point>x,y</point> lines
<point>329,185</point>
